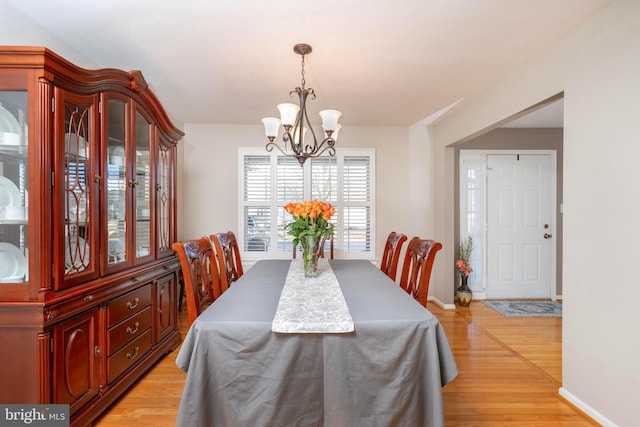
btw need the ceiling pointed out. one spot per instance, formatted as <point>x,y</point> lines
<point>380,62</point>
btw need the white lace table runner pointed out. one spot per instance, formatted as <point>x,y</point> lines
<point>312,305</point>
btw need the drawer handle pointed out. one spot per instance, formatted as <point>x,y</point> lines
<point>88,298</point>
<point>133,304</point>
<point>132,356</point>
<point>135,279</point>
<point>96,351</point>
<point>133,331</point>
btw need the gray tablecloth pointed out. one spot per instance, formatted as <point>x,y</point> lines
<point>388,372</point>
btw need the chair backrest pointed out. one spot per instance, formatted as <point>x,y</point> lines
<point>324,239</point>
<point>228,255</point>
<point>200,274</point>
<point>391,254</point>
<point>416,269</point>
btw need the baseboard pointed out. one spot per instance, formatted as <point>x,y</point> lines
<point>586,409</point>
<point>482,295</point>
<point>442,305</point>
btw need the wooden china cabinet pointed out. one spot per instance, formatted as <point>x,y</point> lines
<point>87,219</point>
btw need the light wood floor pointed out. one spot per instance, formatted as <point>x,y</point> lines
<point>510,373</point>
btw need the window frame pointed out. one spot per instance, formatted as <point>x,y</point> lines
<point>273,203</point>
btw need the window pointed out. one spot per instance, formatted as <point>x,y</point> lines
<point>473,166</point>
<point>269,181</point>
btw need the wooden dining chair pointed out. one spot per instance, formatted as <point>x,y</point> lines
<point>322,244</point>
<point>391,254</point>
<point>228,255</point>
<point>416,268</point>
<point>200,274</point>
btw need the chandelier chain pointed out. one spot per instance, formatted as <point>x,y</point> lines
<point>302,72</point>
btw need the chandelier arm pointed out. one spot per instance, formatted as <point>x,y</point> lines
<point>302,157</point>
<point>287,138</point>
<point>330,145</point>
<point>270,145</point>
<point>296,130</point>
<point>308,148</point>
<point>303,115</point>
<point>298,125</point>
<point>291,140</point>
<point>330,148</point>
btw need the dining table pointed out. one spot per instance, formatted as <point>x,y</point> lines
<point>348,348</point>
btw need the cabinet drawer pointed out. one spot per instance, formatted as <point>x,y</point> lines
<point>128,330</point>
<point>128,356</point>
<point>128,304</point>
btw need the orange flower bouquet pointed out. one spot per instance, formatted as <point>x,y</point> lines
<point>310,224</point>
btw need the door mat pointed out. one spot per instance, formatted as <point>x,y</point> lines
<point>527,308</point>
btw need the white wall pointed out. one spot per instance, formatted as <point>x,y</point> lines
<point>18,30</point>
<point>598,67</point>
<point>209,177</point>
<point>421,209</point>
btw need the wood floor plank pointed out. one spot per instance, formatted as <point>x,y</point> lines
<point>510,373</point>
<point>510,370</point>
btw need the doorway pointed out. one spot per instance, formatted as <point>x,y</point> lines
<point>508,206</point>
<point>520,226</point>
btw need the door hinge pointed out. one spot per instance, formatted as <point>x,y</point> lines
<point>99,107</point>
<point>51,345</point>
<point>53,178</point>
<point>53,105</point>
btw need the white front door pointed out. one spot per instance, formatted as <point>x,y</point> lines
<point>519,228</point>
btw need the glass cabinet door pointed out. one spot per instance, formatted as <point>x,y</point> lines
<point>80,191</point>
<point>142,184</point>
<point>14,194</point>
<point>164,200</point>
<point>116,184</point>
<point>77,189</point>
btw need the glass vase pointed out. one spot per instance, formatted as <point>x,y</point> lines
<point>310,251</point>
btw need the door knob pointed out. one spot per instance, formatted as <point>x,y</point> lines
<point>547,236</point>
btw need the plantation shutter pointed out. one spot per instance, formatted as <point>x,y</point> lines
<point>357,204</point>
<point>290,188</point>
<point>257,207</point>
<point>269,181</point>
<point>324,187</point>
<point>324,179</point>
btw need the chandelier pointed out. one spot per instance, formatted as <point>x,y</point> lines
<point>299,138</point>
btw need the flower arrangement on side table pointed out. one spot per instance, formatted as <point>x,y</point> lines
<point>310,225</point>
<point>463,293</point>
